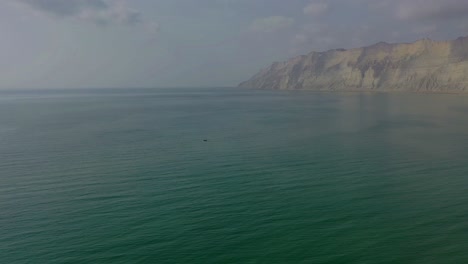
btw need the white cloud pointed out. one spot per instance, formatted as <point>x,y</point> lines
<point>316,8</point>
<point>271,24</point>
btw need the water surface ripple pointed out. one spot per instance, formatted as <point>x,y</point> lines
<point>125,176</point>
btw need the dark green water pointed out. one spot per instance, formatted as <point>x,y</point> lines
<point>124,176</point>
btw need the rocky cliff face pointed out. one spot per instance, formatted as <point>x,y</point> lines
<point>425,65</point>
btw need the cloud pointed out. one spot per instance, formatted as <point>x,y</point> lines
<point>65,8</point>
<point>423,10</point>
<point>100,12</point>
<point>316,8</point>
<point>118,13</point>
<point>154,27</point>
<point>271,24</point>
<point>299,39</point>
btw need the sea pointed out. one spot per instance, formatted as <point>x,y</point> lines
<point>227,175</point>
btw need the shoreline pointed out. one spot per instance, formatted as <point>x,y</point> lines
<point>362,91</point>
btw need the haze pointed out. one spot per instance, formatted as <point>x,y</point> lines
<point>170,43</point>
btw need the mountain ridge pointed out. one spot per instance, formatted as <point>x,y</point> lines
<point>421,66</point>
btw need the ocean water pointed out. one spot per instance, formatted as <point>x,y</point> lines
<point>126,176</point>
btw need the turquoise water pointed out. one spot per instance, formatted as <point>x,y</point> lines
<point>125,176</point>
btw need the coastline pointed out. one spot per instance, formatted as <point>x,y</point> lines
<point>386,91</point>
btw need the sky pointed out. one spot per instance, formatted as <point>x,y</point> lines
<point>196,43</point>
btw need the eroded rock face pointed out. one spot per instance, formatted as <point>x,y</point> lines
<point>425,65</point>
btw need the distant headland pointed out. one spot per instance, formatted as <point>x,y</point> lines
<point>421,66</point>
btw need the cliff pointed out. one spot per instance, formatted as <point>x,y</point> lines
<point>425,65</point>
